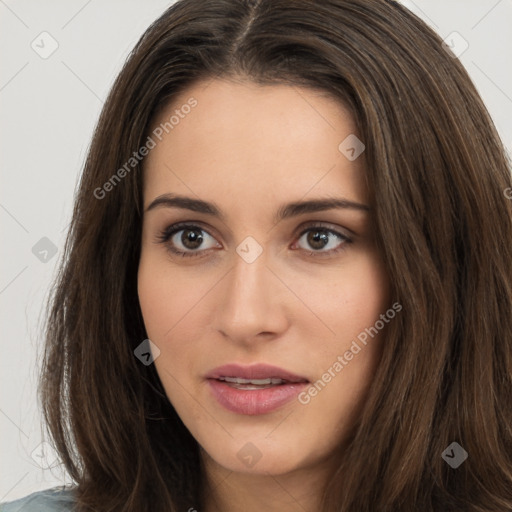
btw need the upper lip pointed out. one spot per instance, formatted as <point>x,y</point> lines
<point>255,371</point>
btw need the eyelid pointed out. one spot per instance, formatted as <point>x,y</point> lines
<point>327,226</point>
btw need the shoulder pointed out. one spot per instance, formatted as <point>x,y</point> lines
<point>56,499</point>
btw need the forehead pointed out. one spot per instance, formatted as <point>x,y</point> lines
<point>250,143</point>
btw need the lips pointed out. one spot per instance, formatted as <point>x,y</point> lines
<point>252,390</point>
<point>254,372</point>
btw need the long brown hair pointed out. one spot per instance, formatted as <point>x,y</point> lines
<point>436,170</point>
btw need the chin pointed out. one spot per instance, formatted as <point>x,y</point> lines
<point>260,457</point>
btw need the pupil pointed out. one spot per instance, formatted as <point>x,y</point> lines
<point>317,236</point>
<point>190,235</point>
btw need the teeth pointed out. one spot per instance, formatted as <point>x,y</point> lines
<point>256,382</point>
<point>249,387</point>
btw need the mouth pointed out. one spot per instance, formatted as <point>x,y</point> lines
<point>239,383</point>
<point>258,374</point>
<point>253,390</point>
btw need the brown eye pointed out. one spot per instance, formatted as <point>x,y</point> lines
<point>320,240</point>
<point>190,238</point>
<point>185,239</point>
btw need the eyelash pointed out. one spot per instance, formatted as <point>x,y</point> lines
<point>168,232</point>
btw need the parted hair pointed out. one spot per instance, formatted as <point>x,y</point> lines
<point>437,174</point>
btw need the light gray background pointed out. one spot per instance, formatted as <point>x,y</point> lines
<point>48,111</point>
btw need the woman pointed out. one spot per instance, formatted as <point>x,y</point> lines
<point>287,283</point>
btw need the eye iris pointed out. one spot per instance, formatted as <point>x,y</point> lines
<point>190,235</point>
<point>318,236</point>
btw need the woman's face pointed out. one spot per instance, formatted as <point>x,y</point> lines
<point>263,281</point>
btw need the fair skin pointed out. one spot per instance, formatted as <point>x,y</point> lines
<point>250,149</point>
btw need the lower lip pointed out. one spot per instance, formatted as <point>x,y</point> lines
<point>254,401</point>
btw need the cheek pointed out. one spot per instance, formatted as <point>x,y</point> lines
<point>158,299</point>
<point>152,300</point>
<point>346,365</point>
<point>162,308</point>
<point>351,298</point>
<point>364,292</point>
<point>169,302</point>
<point>164,294</point>
<point>364,297</point>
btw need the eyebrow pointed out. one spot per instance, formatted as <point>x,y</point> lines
<point>284,212</point>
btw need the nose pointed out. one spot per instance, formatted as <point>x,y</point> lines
<point>251,302</point>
